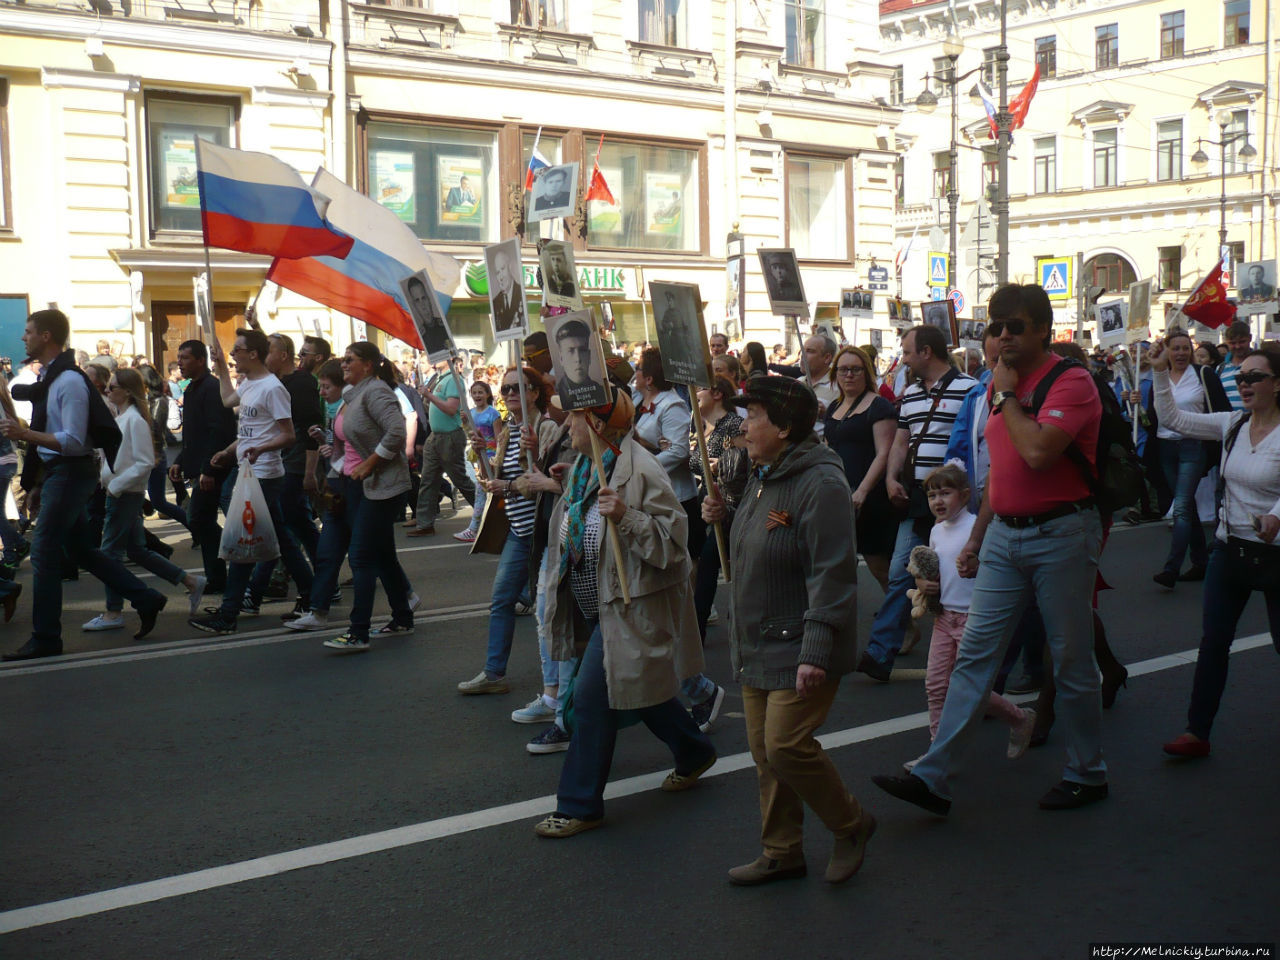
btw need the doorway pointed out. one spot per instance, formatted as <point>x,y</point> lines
<point>174,322</point>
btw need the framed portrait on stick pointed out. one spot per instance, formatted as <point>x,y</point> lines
<point>554,193</point>
<point>506,290</point>
<point>578,354</point>
<point>1138,322</point>
<point>682,332</point>
<point>1111,322</point>
<point>782,282</point>
<point>428,318</point>
<point>559,279</point>
<point>941,314</point>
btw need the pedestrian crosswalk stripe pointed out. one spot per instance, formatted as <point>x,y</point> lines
<point>59,911</point>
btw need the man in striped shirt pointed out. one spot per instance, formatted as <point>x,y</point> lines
<point>1239,340</point>
<point>928,413</point>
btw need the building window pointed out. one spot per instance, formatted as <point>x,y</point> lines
<point>1171,34</point>
<point>1169,274</point>
<point>172,128</point>
<point>552,149</point>
<point>664,22</point>
<point>943,69</point>
<point>658,203</point>
<point>1236,23</point>
<point>941,173</point>
<point>896,86</point>
<point>900,181</point>
<point>989,66</point>
<point>806,38</point>
<point>541,14</point>
<point>1106,46</point>
<point>818,222</point>
<point>6,211</point>
<point>1046,164</point>
<point>990,165</point>
<point>1234,257</point>
<point>1104,158</point>
<point>1111,272</point>
<point>1235,139</point>
<point>441,181</point>
<point>1169,150</point>
<point>1047,56</point>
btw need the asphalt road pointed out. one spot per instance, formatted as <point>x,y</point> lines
<point>257,797</point>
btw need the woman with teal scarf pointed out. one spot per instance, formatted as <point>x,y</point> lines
<point>634,655</point>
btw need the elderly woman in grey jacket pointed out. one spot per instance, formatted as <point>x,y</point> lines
<point>635,654</point>
<point>368,459</point>
<point>793,632</point>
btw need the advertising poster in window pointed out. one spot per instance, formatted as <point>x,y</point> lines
<point>460,181</point>
<point>393,183</point>
<point>663,204</point>
<point>604,217</point>
<point>682,332</point>
<point>179,157</point>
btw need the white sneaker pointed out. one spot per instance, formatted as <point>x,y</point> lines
<point>314,620</point>
<point>101,622</point>
<point>713,617</point>
<point>466,535</point>
<point>415,601</point>
<point>911,764</point>
<point>537,711</point>
<point>196,595</point>
<point>1020,734</point>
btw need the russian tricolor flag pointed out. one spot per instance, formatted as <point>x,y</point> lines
<point>536,162</point>
<point>366,283</point>
<point>989,106</point>
<point>254,203</point>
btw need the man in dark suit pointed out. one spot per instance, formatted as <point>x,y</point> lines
<point>1258,288</point>
<point>783,281</point>
<point>508,298</point>
<point>554,187</point>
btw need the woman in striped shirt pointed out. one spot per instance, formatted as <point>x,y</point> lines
<point>519,433</point>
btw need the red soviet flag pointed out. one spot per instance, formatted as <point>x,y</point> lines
<point>1020,104</point>
<point>1208,303</point>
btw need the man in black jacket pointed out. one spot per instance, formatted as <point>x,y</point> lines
<point>207,427</point>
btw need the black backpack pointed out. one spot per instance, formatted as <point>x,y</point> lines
<point>1118,482</point>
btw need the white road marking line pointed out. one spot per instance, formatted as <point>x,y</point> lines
<point>435,546</point>
<point>259,868</point>
<point>207,643</point>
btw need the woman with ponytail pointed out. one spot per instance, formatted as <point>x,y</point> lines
<point>122,530</point>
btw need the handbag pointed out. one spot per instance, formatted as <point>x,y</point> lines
<point>1255,565</point>
<point>494,526</point>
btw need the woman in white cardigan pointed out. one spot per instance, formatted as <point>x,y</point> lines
<point>1246,551</point>
<point>126,484</point>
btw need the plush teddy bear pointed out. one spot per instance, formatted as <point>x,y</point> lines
<point>923,565</point>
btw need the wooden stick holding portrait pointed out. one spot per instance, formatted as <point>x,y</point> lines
<point>615,541</point>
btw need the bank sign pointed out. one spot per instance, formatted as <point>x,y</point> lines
<point>597,280</point>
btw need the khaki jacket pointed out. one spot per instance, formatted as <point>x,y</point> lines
<point>652,644</point>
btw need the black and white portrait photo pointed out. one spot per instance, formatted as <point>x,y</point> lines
<point>506,290</point>
<point>856,303</point>
<point>682,334</point>
<point>1137,322</point>
<point>940,314</point>
<point>554,192</point>
<point>1256,281</point>
<point>559,281</point>
<point>972,333</point>
<point>1111,322</point>
<point>577,353</point>
<point>782,281</point>
<point>900,314</point>
<point>428,318</point>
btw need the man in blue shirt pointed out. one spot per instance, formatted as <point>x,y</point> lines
<point>60,435</point>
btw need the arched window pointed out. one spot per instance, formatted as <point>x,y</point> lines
<point>1110,270</point>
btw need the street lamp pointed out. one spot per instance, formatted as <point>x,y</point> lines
<point>1200,160</point>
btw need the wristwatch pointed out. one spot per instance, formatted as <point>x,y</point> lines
<point>998,399</point>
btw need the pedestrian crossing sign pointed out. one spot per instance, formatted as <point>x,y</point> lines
<point>938,270</point>
<point>1055,277</point>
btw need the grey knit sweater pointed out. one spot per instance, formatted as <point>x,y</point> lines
<point>795,577</point>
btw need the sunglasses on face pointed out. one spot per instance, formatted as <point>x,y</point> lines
<point>1254,377</point>
<point>510,389</point>
<point>849,371</point>
<point>1016,328</point>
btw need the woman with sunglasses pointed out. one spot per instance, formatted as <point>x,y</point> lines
<point>860,428</point>
<point>522,430</point>
<point>1246,544</point>
<point>1184,459</point>
<point>126,484</point>
<point>371,474</point>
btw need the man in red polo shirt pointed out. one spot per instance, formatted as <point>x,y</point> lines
<point>1038,534</point>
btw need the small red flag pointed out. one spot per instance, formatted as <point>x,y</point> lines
<point>1208,303</point>
<point>1019,105</point>
<point>599,190</point>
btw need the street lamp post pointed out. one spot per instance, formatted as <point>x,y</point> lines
<point>1199,159</point>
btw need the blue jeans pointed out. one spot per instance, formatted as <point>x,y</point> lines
<point>595,732</point>
<point>239,574</point>
<point>1183,463</point>
<point>890,624</point>
<point>123,535</point>
<point>298,523</point>
<point>63,525</point>
<point>1055,562</point>
<point>555,673</point>
<point>508,585</point>
<point>477,510</point>
<point>9,536</point>
<point>372,557</point>
<point>156,481</point>
<point>1225,597</point>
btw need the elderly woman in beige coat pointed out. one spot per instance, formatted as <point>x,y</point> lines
<point>633,655</point>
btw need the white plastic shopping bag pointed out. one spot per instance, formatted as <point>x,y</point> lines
<point>249,536</point>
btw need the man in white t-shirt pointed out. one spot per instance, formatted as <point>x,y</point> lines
<point>265,428</point>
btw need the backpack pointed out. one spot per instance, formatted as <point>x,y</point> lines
<point>1118,482</point>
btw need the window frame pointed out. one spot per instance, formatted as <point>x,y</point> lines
<point>819,49</point>
<point>682,39</point>
<point>805,152</point>
<point>1168,267</point>
<point>1046,56</point>
<point>940,191</point>
<point>1173,36</point>
<point>1232,164</point>
<point>989,65</point>
<point>1175,154</point>
<point>535,5</point>
<point>1050,167</point>
<point>1108,43</point>
<point>897,87</point>
<point>899,181</point>
<point>1113,167</point>
<point>943,68</point>
<point>150,96</point>
<point>6,192</point>
<point>1231,24</point>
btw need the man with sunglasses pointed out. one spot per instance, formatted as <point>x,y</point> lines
<point>1038,535</point>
